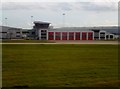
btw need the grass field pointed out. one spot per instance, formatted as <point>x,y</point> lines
<point>60,65</point>
<point>48,41</point>
<point>27,41</point>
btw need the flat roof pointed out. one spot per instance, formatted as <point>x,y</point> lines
<point>40,22</point>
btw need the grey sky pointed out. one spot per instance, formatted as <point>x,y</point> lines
<point>76,13</point>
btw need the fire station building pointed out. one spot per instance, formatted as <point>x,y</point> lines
<point>43,31</point>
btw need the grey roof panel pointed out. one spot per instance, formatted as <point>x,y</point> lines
<point>40,22</point>
<point>6,28</point>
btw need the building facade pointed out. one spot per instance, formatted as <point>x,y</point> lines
<point>10,33</point>
<point>43,31</point>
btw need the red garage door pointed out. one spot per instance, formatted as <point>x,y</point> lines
<point>50,35</point>
<point>90,35</point>
<point>57,35</point>
<point>71,35</point>
<point>77,35</point>
<point>84,35</point>
<point>64,35</point>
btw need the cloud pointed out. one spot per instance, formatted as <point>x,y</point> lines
<point>59,0</point>
<point>64,6</point>
<point>39,0</point>
<point>109,22</point>
<point>21,6</point>
<point>99,6</point>
<point>36,6</point>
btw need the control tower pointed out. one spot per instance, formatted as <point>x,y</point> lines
<point>41,30</point>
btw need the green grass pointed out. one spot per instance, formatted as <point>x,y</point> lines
<point>27,41</point>
<point>60,65</point>
<point>38,41</point>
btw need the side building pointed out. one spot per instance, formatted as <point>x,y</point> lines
<point>10,32</point>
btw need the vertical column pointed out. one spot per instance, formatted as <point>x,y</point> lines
<point>7,35</point>
<point>93,36</point>
<point>74,35</point>
<point>54,35</point>
<point>109,36</point>
<point>39,34</point>
<point>60,35</point>
<point>113,36</point>
<point>105,35</point>
<point>21,33</point>
<point>47,35</point>
<point>86,35</point>
<point>67,35</point>
<point>80,35</point>
<point>99,35</point>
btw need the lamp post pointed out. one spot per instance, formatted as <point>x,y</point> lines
<point>6,21</point>
<point>31,20</point>
<point>63,19</point>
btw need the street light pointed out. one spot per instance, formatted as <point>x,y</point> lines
<point>6,21</point>
<point>63,19</point>
<point>31,20</point>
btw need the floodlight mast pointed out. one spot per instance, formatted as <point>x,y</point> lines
<point>6,21</point>
<point>63,19</point>
<point>32,21</point>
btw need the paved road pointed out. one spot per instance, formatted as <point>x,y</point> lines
<point>73,42</point>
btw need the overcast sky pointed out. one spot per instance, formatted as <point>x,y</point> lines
<point>78,13</point>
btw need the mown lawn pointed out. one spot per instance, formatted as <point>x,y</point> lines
<point>26,41</point>
<point>60,65</point>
